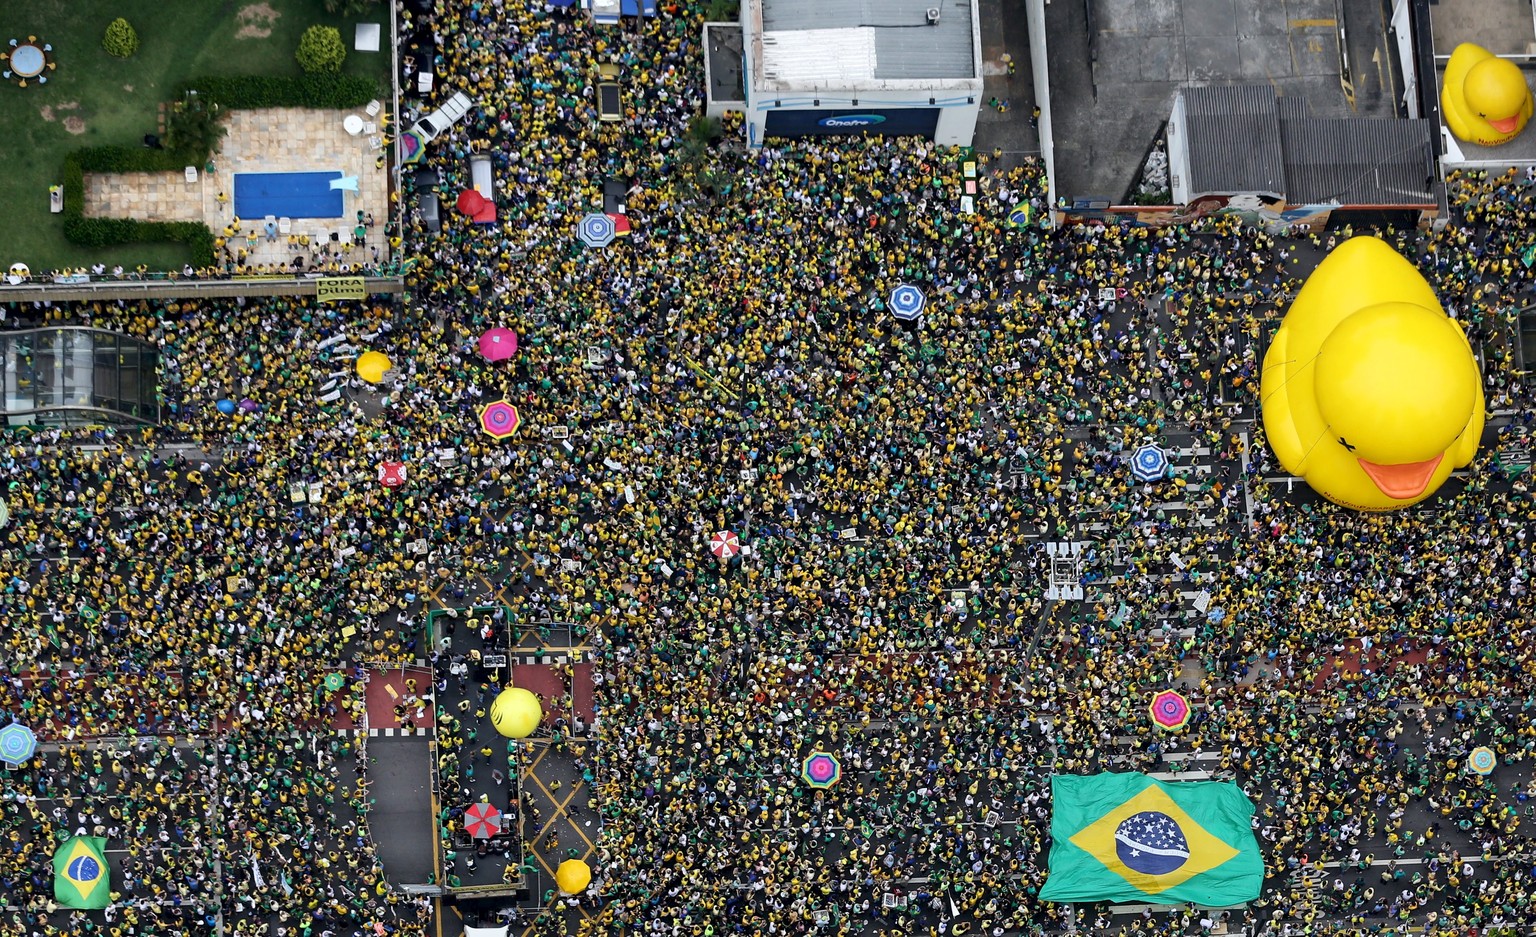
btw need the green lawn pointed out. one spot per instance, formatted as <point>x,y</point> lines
<point>116,100</point>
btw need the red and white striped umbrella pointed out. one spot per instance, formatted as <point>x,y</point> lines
<point>482,821</point>
<point>724,545</point>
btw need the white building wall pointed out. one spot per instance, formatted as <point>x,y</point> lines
<point>1178,152</point>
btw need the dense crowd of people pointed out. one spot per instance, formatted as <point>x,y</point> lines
<point>732,365</point>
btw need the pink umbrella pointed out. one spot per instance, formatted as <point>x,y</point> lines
<point>498,344</point>
<point>724,545</point>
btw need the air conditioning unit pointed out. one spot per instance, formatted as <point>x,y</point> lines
<point>933,16</point>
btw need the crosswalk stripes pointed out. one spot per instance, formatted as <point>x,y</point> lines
<point>575,657</point>
<point>385,733</point>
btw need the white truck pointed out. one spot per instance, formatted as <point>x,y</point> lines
<point>452,111</point>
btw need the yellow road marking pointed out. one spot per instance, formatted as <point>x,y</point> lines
<point>559,812</point>
<point>591,847</point>
<point>1313,24</point>
<point>528,771</point>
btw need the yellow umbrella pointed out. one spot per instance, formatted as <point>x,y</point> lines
<point>371,366</point>
<point>516,713</point>
<point>573,876</point>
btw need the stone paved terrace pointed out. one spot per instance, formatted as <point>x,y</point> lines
<point>269,140</point>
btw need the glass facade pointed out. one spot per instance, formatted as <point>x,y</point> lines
<point>78,376</point>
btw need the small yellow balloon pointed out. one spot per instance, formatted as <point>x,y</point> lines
<point>573,876</point>
<point>371,366</point>
<point>516,713</point>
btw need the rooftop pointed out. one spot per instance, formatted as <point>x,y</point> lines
<point>724,54</point>
<point>1248,139</point>
<point>1234,140</point>
<point>1113,78</point>
<point>860,41</point>
<point>1503,27</point>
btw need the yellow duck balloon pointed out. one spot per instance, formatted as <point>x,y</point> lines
<point>1485,98</point>
<point>1370,391</point>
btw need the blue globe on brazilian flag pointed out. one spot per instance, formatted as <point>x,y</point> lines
<point>80,876</point>
<point>1127,837</point>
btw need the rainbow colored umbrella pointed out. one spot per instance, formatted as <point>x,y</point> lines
<point>1170,710</point>
<point>412,147</point>
<point>821,770</point>
<point>499,419</point>
<point>1482,761</point>
<point>498,344</point>
<point>482,821</point>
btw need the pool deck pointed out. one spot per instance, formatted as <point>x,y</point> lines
<point>269,140</point>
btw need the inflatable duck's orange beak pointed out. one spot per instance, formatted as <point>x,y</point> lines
<point>1403,480</point>
<point>1507,125</point>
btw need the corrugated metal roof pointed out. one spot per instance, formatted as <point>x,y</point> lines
<point>1359,160</point>
<point>1234,139</point>
<point>906,47</point>
<point>828,56</point>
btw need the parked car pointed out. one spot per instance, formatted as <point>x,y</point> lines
<point>430,126</point>
<point>610,106</point>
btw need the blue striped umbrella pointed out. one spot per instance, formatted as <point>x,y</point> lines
<point>1149,464</point>
<point>596,230</point>
<point>17,744</point>
<point>907,302</point>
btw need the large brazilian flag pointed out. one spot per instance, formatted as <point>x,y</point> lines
<point>1126,837</point>
<point>80,878</point>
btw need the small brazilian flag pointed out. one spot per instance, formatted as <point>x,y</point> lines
<point>1126,837</point>
<point>80,878</point>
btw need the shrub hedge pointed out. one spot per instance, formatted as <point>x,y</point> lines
<point>106,232</point>
<point>319,90</point>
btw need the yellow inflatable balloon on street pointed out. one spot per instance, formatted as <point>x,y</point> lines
<point>573,876</point>
<point>1370,391</point>
<point>371,366</point>
<point>516,713</point>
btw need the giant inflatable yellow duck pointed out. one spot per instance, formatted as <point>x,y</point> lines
<point>1485,98</point>
<point>1370,392</point>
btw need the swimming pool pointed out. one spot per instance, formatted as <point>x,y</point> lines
<point>287,195</point>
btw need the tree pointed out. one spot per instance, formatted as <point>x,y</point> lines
<point>192,127</point>
<point>321,49</point>
<point>722,11</point>
<point>350,7</point>
<point>703,129</point>
<point>121,40</point>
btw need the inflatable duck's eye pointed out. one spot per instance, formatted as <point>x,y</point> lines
<point>1345,443</point>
